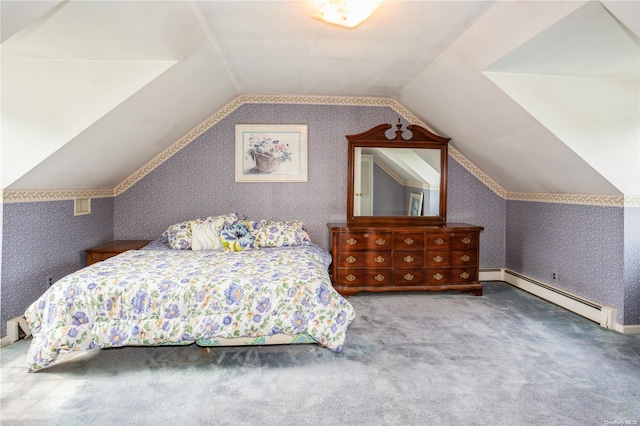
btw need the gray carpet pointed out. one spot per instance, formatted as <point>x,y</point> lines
<point>507,358</point>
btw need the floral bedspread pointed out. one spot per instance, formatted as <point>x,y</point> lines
<point>155,297</point>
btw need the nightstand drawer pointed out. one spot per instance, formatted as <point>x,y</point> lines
<point>114,248</point>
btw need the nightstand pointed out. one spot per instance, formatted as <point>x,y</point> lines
<point>105,251</point>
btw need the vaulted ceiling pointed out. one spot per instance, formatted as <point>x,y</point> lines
<point>543,97</point>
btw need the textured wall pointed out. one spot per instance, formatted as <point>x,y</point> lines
<point>199,180</point>
<point>631,265</point>
<point>43,240</point>
<point>470,201</point>
<point>582,244</point>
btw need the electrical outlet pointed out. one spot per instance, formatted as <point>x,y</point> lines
<point>49,280</point>
<point>554,276</point>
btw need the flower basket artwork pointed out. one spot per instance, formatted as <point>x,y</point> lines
<point>271,153</point>
<point>266,163</point>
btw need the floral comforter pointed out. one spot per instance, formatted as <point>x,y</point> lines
<point>153,297</point>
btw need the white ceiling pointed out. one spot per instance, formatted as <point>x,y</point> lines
<point>155,70</point>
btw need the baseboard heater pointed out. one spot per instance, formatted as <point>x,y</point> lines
<point>603,315</point>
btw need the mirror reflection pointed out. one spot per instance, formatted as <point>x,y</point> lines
<point>396,182</point>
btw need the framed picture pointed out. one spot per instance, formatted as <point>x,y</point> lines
<point>271,153</point>
<point>415,204</point>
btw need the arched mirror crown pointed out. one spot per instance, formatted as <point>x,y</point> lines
<point>401,181</point>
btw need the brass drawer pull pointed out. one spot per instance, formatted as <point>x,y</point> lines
<point>439,241</point>
<point>438,259</point>
<point>464,275</point>
<point>351,241</point>
<point>350,277</point>
<point>380,241</point>
<point>465,258</point>
<point>409,277</point>
<point>466,240</point>
<point>379,278</point>
<point>365,235</point>
<point>351,259</point>
<point>409,259</point>
<point>438,276</point>
<point>379,259</point>
<point>409,241</point>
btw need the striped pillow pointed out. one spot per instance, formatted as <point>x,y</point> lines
<point>205,236</point>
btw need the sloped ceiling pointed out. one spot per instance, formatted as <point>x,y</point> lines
<point>149,72</point>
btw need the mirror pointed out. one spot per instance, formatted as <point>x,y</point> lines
<point>397,181</point>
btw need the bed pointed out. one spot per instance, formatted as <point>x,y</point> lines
<point>184,289</point>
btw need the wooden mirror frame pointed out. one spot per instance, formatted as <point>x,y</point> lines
<point>421,139</point>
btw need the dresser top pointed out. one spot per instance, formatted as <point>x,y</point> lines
<point>448,227</point>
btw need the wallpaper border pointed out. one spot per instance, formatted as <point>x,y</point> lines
<point>18,196</point>
<point>34,195</point>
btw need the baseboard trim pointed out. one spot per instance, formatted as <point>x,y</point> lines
<point>490,274</point>
<point>627,329</point>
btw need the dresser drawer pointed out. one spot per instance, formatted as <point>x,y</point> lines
<point>408,259</point>
<point>364,277</point>
<point>463,241</point>
<point>99,257</point>
<point>463,258</point>
<point>408,241</point>
<point>360,259</point>
<point>402,277</point>
<point>437,259</point>
<point>113,248</point>
<point>463,275</point>
<point>437,241</point>
<point>437,276</point>
<point>365,241</point>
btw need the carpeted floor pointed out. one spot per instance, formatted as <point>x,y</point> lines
<point>507,358</point>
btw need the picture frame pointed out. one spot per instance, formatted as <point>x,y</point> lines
<point>415,204</point>
<point>271,153</point>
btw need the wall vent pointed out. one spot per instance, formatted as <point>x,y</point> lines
<point>81,206</point>
<point>603,315</point>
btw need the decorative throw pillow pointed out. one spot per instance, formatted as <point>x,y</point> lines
<point>237,237</point>
<point>253,225</point>
<point>179,235</point>
<point>205,236</point>
<point>282,234</point>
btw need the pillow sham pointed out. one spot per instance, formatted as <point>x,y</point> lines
<point>205,236</point>
<point>281,234</point>
<point>237,237</point>
<point>179,235</point>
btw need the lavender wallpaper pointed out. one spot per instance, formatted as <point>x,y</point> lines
<point>631,265</point>
<point>470,201</point>
<point>594,250</point>
<point>583,245</point>
<point>199,180</point>
<point>41,240</point>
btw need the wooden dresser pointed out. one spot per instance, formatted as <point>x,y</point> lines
<point>405,258</point>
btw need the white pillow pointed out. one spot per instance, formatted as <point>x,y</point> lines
<point>206,236</point>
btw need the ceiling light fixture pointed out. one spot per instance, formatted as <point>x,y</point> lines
<point>346,13</point>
